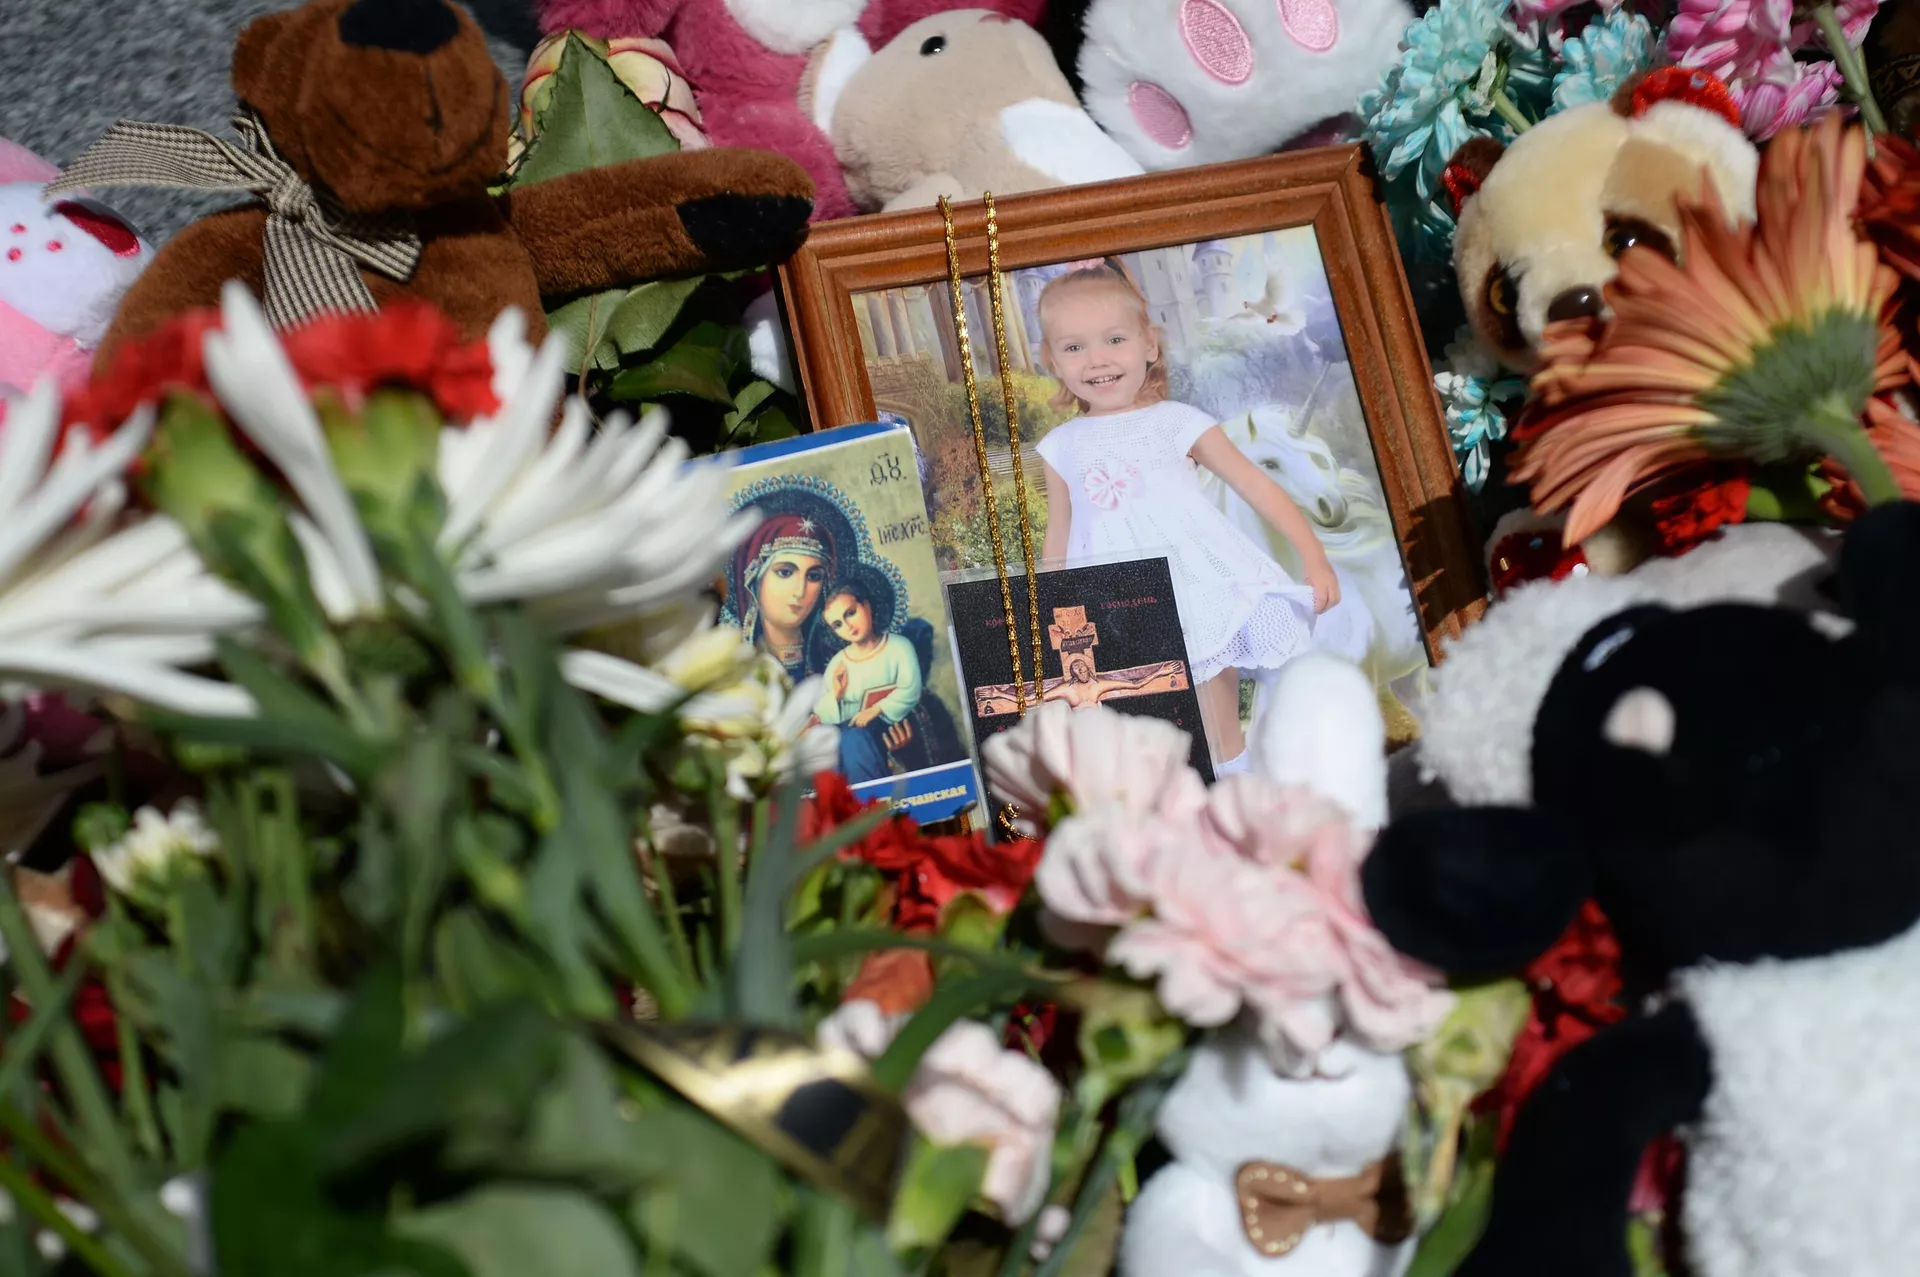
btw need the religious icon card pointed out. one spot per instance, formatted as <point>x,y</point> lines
<point>838,584</point>
<point>1111,636</point>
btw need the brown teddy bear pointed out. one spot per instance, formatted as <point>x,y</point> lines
<point>373,129</point>
<point>1542,220</point>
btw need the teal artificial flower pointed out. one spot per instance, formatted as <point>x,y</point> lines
<point>1475,390</point>
<point>1596,62</point>
<point>1466,72</point>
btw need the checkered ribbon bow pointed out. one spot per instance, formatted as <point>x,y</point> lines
<point>314,247</point>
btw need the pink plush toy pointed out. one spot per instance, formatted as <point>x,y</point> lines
<point>745,60</point>
<point>63,267</point>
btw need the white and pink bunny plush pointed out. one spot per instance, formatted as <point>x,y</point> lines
<point>1186,82</point>
<point>64,264</point>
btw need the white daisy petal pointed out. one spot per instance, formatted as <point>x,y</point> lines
<point>257,386</point>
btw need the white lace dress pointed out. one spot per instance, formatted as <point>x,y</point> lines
<point>1136,494</point>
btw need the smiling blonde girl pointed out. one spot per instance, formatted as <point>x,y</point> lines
<point>1122,482</point>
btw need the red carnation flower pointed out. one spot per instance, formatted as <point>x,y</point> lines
<point>407,344</point>
<point>926,872</point>
<point>170,359</point>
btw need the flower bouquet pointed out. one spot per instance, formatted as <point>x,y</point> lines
<point>405,875</point>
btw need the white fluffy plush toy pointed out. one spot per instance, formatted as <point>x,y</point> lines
<point>1185,82</point>
<point>1476,723</point>
<point>1287,1167</point>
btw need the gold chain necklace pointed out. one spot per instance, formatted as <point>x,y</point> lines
<point>1008,813</point>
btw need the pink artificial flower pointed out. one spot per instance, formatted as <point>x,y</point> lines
<point>1093,758</point>
<point>1750,44</point>
<point>1786,95</point>
<point>1266,822</point>
<point>969,1089</point>
<point>1098,869</point>
<point>1252,903</point>
<point>1224,930</point>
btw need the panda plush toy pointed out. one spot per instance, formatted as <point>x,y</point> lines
<point>1739,792</point>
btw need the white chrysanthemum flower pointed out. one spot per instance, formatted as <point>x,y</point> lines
<point>155,842</point>
<point>727,693</point>
<point>581,525</point>
<point>93,600</point>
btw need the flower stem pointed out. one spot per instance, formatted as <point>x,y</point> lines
<point>1504,107</point>
<point>28,1196</point>
<point>1837,433</point>
<point>72,1062</point>
<point>1853,69</point>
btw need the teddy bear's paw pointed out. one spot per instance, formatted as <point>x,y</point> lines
<point>738,230</point>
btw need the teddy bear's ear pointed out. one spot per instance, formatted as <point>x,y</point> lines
<point>1469,168</point>
<point>1639,94</point>
<point>1878,583</point>
<point>1475,891</point>
<point>263,76</point>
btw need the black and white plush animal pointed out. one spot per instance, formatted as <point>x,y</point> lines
<point>1740,793</point>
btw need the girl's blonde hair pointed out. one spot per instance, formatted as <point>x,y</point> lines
<point>1108,273</point>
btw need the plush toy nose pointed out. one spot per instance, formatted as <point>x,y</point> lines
<point>404,26</point>
<point>1580,302</point>
<point>730,228</point>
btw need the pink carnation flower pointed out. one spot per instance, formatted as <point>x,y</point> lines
<point>969,1089</point>
<point>1250,904</point>
<point>1092,758</point>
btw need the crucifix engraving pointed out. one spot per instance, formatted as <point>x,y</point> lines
<point>1082,683</point>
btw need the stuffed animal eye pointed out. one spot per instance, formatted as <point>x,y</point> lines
<point>1630,232</point>
<point>1503,300</point>
<point>932,45</point>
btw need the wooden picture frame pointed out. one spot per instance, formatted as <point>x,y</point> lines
<point>1332,190</point>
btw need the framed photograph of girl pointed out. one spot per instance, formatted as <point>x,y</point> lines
<point>1217,365</point>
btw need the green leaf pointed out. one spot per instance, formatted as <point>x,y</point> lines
<point>760,973</point>
<point>365,1051</point>
<point>830,1241</point>
<point>1453,1236</point>
<point>476,966</point>
<point>475,1084</point>
<point>591,120</point>
<point>844,942</point>
<point>769,424</point>
<point>594,821</point>
<point>1132,1127</point>
<point>702,363</point>
<point>715,1199</point>
<point>582,324</point>
<point>262,1077</point>
<point>271,1213</point>
<point>25,1044</point>
<point>522,1230</point>
<point>935,1188</point>
<point>647,314</point>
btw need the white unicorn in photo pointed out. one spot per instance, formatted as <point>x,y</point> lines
<point>1374,624</point>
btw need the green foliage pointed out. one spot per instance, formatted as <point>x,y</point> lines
<point>591,120</point>
<point>680,343</point>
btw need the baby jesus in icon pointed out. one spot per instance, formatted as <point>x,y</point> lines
<point>1082,683</point>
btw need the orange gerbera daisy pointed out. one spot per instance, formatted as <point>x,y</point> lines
<point>1766,343</point>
